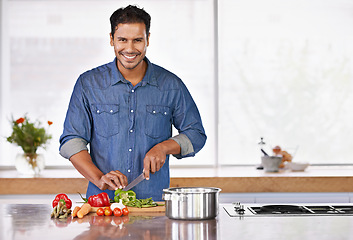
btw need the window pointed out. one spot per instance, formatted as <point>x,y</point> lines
<point>281,70</point>
<point>285,74</point>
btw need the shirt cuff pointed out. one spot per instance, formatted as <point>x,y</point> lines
<point>185,145</point>
<point>72,147</point>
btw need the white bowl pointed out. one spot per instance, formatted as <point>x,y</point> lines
<point>297,166</point>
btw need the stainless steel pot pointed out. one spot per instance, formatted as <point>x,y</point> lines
<point>191,203</point>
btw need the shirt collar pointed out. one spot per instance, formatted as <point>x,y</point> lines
<point>149,77</point>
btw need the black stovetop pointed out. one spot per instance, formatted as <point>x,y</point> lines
<point>289,210</point>
<point>301,209</point>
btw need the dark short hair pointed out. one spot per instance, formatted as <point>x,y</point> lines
<point>130,14</point>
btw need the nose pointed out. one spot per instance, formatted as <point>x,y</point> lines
<point>130,46</point>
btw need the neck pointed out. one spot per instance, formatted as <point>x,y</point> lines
<point>134,75</point>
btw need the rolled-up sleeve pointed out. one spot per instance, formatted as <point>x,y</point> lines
<point>185,145</point>
<point>77,125</point>
<point>187,121</point>
<point>72,147</point>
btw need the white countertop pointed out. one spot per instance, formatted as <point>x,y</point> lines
<point>20,223</point>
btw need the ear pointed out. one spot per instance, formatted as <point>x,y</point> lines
<point>111,39</point>
<point>148,39</point>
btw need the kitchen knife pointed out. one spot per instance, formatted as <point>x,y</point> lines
<point>134,182</point>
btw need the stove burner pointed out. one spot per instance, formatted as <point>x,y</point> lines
<point>322,209</point>
<point>331,209</point>
<point>280,209</point>
<point>240,210</point>
<point>344,209</point>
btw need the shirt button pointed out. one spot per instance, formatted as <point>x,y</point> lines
<point>131,130</point>
<point>111,111</point>
<point>128,170</point>
<point>165,113</point>
<point>131,110</point>
<point>130,149</point>
<point>97,111</point>
<point>154,111</point>
<point>132,90</point>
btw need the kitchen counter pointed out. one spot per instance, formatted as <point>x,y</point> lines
<point>243,179</point>
<point>32,221</point>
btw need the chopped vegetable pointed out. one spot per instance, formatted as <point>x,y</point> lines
<point>85,209</point>
<point>125,196</point>
<point>142,203</point>
<point>128,198</point>
<point>65,198</point>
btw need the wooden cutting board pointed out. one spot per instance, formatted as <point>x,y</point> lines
<point>140,210</point>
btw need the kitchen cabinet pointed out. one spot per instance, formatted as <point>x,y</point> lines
<point>317,179</point>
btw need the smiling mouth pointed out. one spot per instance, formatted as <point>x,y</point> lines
<point>129,57</point>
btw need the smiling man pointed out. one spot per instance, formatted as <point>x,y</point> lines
<point>124,110</point>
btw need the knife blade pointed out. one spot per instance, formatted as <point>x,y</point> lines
<point>136,181</point>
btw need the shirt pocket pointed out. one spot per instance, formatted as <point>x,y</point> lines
<point>106,119</point>
<point>158,121</point>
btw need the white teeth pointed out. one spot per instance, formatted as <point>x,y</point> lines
<point>130,57</point>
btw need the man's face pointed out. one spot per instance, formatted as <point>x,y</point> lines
<point>130,43</point>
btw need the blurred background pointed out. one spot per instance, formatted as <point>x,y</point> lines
<point>281,70</point>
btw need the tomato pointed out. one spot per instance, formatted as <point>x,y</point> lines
<point>100,212</point>
<point>125,211</point>
<point>117,212</point>
<point>108,211</point>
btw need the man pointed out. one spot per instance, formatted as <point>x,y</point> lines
<point>125,110</point>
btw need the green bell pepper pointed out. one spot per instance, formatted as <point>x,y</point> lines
<point>125,196</point>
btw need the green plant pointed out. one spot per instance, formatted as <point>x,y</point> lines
<point>29,135</point>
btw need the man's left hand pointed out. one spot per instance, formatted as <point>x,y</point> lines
<point>156,156</point>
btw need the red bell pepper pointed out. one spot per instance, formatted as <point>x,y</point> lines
<point>65,198</point>
<point>99,200</point>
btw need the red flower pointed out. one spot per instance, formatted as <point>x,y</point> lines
<point>20,120</point>
<point>50,123</point>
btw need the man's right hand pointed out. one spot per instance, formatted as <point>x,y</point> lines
<point>83,163</point>
<point>113,180</point>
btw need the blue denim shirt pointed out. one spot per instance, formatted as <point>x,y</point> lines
<point>122,122</point>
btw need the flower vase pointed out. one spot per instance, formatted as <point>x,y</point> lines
<point>29,163</point>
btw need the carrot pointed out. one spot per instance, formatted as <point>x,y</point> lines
<point>85,209</point>
<point>75,211</point>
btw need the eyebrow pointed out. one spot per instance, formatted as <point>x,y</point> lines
<point>139,38</point>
